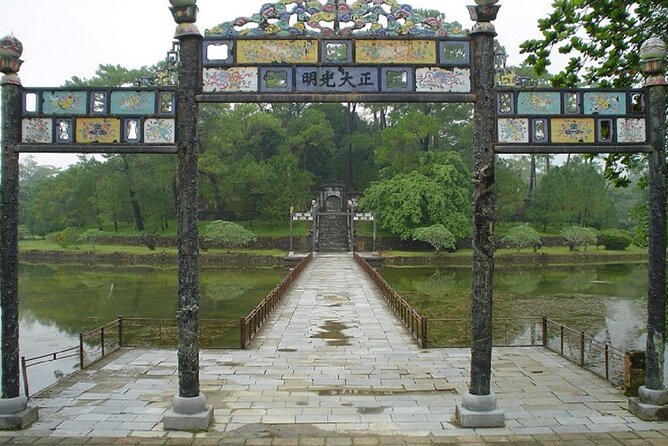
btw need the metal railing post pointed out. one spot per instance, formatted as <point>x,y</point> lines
<point>81,351</point>
<point>561,336</point>
<point>120,331</point>
<point>242,329</point>
<point>102,340</point>
<point>544,331</point>
<point>582,348</point>
<point>24,372</point>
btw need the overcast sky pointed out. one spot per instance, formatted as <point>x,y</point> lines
<point>65,38</point>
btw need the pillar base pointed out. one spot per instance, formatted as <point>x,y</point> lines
<point>15,413</point>
<point>479,411</point>
<point>188,414</point>
<point>651,405</point>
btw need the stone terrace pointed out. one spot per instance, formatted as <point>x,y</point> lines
<point>333,366</point>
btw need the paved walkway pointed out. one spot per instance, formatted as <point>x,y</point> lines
<point>334,367</point>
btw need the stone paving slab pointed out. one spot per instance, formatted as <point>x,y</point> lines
<point>334,366</point>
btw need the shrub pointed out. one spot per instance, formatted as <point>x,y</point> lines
<point>437,236</point>
<point>227,234</point>
<point>614,239</point>
<point>67,237</point>
<point>522,236</point>
<point>577,236</point>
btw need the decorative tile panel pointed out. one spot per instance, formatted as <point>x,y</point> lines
<point>539,103</point>
<point>631,130</point>
<point>159,131</point>
<point>64,103</point>
<point>133,102</point>
<point>256,52</point>
<point>396,52</point>
<point>456,80</point>
<point>239,79</point>
<point>513,130</point>
<point>37,131</point>
<point>98,130</point>
<point>573,130</point>
<point>603,103</point>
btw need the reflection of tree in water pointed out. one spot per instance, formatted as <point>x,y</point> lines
<point>579,280</point>
<point>519,281</point>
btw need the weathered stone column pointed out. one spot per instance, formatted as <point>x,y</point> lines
<point>14,412</point>
<point>189,410</point>
<point>652,401</point>
<point>478,408</point>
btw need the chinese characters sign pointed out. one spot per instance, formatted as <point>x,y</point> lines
<point>352,66</point>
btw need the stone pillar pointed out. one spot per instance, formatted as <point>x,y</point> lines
<point>478,408</point>
<point>14,410</point>
<point>189,410</point>
<point>652,401</point>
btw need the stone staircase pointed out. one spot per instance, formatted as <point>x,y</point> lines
<point>333,233</point>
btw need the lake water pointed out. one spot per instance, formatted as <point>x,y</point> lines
<point>57,302</point>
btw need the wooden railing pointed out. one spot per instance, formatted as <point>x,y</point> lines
<point>589,353</point>
<point>251,324</point>
<point>415,323</point>
<point>72,352</point>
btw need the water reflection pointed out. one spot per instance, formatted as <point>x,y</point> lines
<point>606,301</point>
<point>57,302</point>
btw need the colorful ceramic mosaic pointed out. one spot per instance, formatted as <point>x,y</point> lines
<point>361,18</point>
<point>603,103</point>
<point>539,103</point>
<point>513,130</point>
<point>397,52</point>
<point>277,51</point>
<point>133,102</point>
<point>64,103</point>
<point>159,131</point>
<point>241,79</point>
<point>98,130</point>
<point>37,131</point>
<point>457,80</point>
<point>573,130</point>
<point>631,130</point>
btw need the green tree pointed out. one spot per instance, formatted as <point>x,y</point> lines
<point>227,234</point>
<point>522,236</point>
<point>437,236</point>
<point>614,239</point>
<point>439,192</point>
<point>510,191</point>
<point>577,236</point>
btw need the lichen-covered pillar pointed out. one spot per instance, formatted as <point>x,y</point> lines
<point>652,401</point>
<point>478,408</point>
<point>189,410</point>
<point>14,412</point>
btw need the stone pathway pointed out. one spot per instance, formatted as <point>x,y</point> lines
<point>334,366</point>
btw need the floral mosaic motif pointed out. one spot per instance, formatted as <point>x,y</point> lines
<point>361,18</point>
<point>539,103</point>
<point>130,102</point>
<point>631,130</point>
<point>37,131</point>
<point>573,131</point>
<point>605,103</point>
<point>513,130</point>
<point>457,80</point>
<point>242,79</point>
<point>98,130</point>
<point>159,131</point>
<point>277,51</point>
<point>64,102</point>
<point>397,52</point>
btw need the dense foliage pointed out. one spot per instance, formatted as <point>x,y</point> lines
<point>437,236</point>
<point>521,237</point>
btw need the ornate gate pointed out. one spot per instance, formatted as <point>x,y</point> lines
<point>310,51</point>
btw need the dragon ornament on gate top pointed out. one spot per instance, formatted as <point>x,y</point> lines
<point>363,18</point>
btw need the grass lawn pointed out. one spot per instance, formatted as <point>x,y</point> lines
<point>561,250</point>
